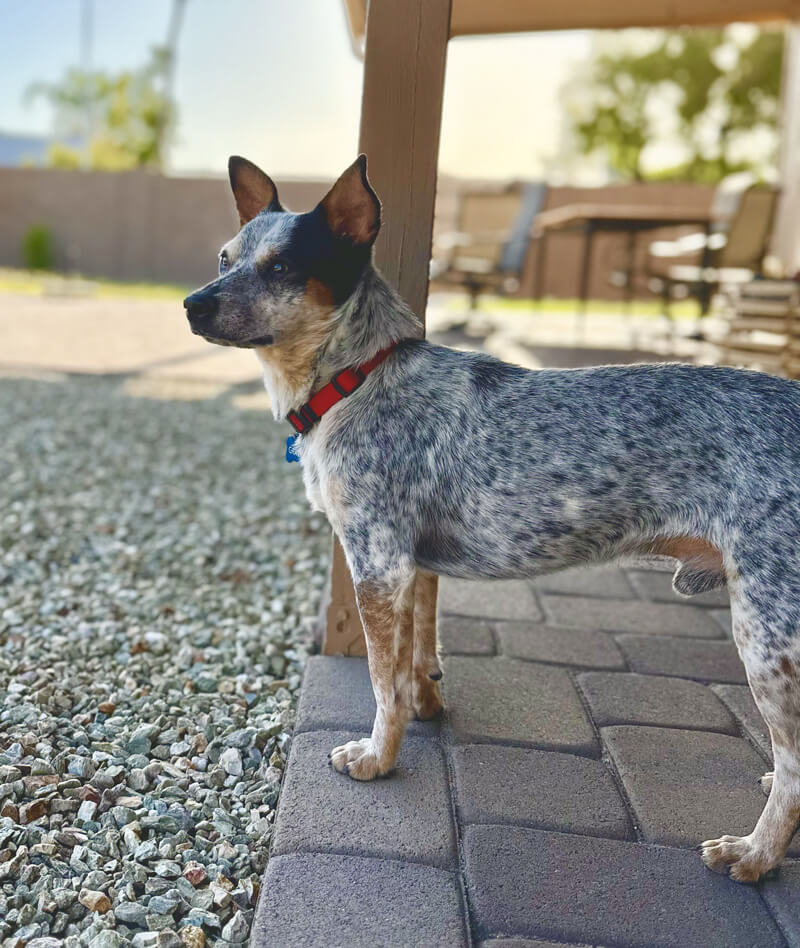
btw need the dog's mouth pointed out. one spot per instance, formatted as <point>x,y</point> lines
<point>265,340</point>
<point>216,340</point>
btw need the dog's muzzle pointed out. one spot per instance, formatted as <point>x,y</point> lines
<point>201,306</point>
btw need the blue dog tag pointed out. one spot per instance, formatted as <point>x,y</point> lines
<point>291,455</point>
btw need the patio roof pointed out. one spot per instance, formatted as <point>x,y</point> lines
<point>474,17</point>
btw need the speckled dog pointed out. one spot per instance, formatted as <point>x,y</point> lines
<point>453,463</point>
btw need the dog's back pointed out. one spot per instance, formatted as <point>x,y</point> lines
<point>495,470</point>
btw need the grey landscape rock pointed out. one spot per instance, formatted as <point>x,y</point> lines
<point>145,543</point>
<point>231,762</point>
<point>107,939</point>
<point>236,930</point>
<point>131,913</point>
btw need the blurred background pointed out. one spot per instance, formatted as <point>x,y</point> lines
<point>598,190</point>
<point>602,195</point>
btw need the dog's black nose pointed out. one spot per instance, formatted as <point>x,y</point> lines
<point>201,304</point>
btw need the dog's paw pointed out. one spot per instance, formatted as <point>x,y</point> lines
<point>427,699</point>
<point>358,760</point>
<point>737,856</point>
<point>766,782</point>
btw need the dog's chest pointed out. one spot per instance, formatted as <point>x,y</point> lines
<point>311,480</point>
<point>323,489</point>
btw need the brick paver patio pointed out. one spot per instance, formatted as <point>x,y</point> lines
<point>598,728</point>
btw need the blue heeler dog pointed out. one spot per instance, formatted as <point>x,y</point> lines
<point>444,462</point>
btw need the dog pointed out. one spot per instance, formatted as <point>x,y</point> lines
<point>430,461</point>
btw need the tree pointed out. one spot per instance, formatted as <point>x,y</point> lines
<point>126,113</point>
<point>712,93</point>
<point>126,118</point>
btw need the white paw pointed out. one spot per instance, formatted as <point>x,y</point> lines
<point>358,760</point>
<point>737,856</point>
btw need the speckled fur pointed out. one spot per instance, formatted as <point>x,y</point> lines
<point>454,463</point>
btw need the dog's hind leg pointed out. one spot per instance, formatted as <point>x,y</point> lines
<point>426,695</point>
<point>773,670</point>
<point>387,611</point>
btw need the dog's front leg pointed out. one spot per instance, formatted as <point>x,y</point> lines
<point>387,611</point>
<point>427,671</point>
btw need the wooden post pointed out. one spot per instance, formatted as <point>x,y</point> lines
<point>401,111</point>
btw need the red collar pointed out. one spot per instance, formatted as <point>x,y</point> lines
<point>344,384</point>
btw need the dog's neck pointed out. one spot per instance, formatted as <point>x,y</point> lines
<point>372,318</point>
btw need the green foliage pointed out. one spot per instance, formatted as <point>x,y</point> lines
<point>127,114</point>
<point>37,249</point>
<point>62,156</point>
<point>713,88</point>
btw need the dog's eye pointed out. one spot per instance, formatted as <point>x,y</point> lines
<point>224,262</point>
<point>278,267</point>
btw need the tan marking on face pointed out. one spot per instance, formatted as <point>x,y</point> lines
<point>318,293</point>
<point>300,336</point>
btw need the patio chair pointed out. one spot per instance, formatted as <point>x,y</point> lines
<point>489,248</point>
<point>732,252</point>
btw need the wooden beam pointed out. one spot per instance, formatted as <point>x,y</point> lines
<point>471,17</point>
<point>401,112</point>
<point>342,631</point>
<point>476,17</point>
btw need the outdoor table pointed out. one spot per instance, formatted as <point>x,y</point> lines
<point>628,219</point>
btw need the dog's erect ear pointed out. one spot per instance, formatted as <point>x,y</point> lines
<point>351,207</point>
<point>253,190</point>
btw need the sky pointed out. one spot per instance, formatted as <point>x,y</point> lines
<point>277,81</point>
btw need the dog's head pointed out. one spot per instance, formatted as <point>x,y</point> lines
<point>283,275</point>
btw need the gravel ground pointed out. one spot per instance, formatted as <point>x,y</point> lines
<point>160,573</point>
